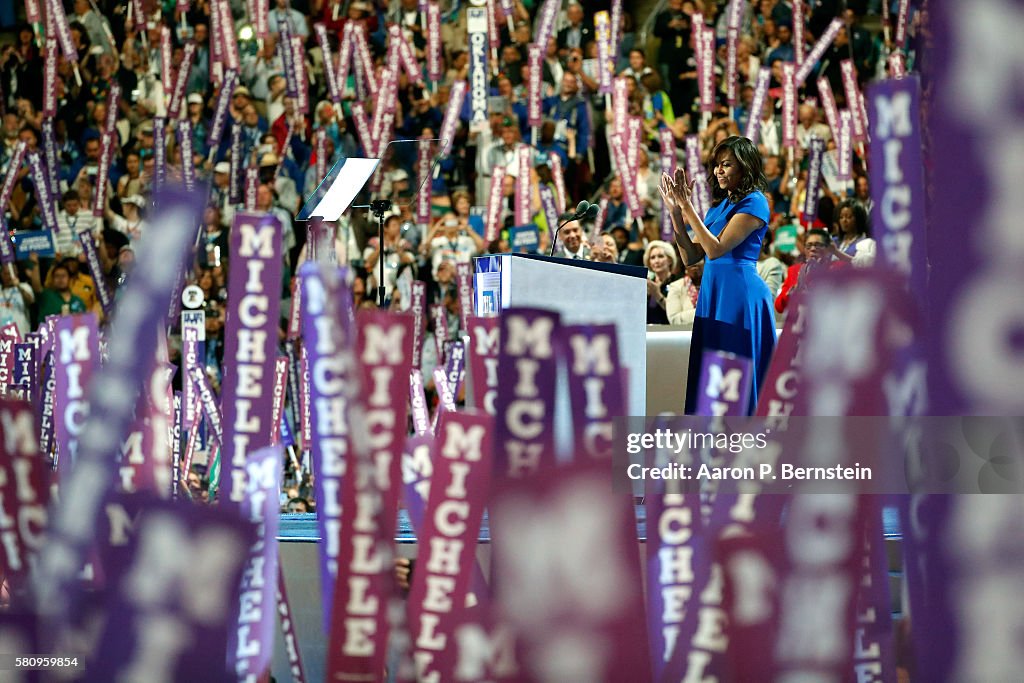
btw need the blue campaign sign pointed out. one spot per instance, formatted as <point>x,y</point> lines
<point>34,241</point>
<point>523,239</point>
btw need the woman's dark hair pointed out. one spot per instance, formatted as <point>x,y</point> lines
<point>860,216</point>
<point>750,163</point>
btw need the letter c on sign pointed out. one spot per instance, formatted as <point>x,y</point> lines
<point>444,514</point>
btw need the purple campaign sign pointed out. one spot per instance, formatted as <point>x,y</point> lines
<point>208,400</point>
<point>250,346</point>
<point>674,535</point>
<point>76,359</point>
<point>329,343</point>
<point>170,610</point>
<point>251,639</point>
<point>567,575</point>
<point>23,371</point>
<point>92,257</point>
<point>725,381</point>
<point>220,110</point>
<point>527,367</point>
<point>898,216</point>
<point>133,336</point>
<point>874,643</point>
<point>595,386</point>
<point>815,151</point>
<point>418,404</point>
<point>45,393</point>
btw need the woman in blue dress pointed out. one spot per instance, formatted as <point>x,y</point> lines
<point>734,307</point>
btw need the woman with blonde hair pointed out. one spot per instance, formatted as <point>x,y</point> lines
<point>661,261</point>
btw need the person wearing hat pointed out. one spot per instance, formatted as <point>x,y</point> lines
<point>131,222</point>
<point>220,192</point>
<point>241,97</point>
<point>200,127</point>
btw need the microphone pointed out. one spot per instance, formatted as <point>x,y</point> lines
<point>583,210</point>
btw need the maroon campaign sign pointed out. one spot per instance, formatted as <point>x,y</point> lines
<point>250,345</point>
<point>782,395</point>
<point>458,494</point>
<point>364,589</point>
<point>567,575</point>
<point>527,367</point>
<point>483,361</point>
<point>24,492</point>
<point>595,386</point>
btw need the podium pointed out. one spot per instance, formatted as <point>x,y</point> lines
<point>581,292</point>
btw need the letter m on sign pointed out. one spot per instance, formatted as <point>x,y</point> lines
<point>724,385</point>
<point>258,240</point>
<point>74,344</point>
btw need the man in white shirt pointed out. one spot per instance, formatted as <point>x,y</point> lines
<point>808,126</point>
<point>71,220</point>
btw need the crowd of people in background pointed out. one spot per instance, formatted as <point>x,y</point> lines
<point>278,139</point>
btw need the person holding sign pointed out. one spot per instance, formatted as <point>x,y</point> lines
<point>734,307</point>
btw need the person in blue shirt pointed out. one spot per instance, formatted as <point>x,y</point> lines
<point>569,112</point>
<point>735,310</point>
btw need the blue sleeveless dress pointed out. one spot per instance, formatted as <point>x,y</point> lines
<point>734,307</point>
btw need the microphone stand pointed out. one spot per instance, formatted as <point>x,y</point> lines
<point>379,207</point>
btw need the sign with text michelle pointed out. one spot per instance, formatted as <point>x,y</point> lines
<point>76,359</point>
<point>459,485</point>
<point>897,179</point>
<point>567,575</point>
<point>251,638</point>
<point>250,345</point>
<point>364,592</point>
<point>483,362</point>
<point>675,530</point>
<point>527,367</point>
<point>171,607</point>
<point>112,392</point>
<point>595,386</point>
<point>24,493</point>
<point>329,343</point>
